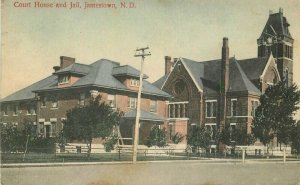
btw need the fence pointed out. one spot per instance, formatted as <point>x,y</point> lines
<point>144,154</point>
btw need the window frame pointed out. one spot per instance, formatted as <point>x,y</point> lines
<point>64,79</point>
<point>43,102</point>
<point>81,100</point>
<point>54,101</point>
<point>134,82</point>
<point>253,107</point>
<point>233,110</point>
<point>16,110</point>
<point>132,101</point>
<point>6,110</point>
<point>153,107</point>
<point>213,128</point>
<point>112,101</point>
<point>213,108</point>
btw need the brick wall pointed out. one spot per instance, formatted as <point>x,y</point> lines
<point>22,116</point>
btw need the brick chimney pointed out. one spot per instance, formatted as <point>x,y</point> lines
<point>224,85</point>
<point>225,66</point>
<point>56,68</point>
<point>66,61</point>
<point>168,64</point>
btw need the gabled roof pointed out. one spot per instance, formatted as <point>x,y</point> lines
<point>206,75</point>
<point>75,68</point>
<point>145,116</point>
<point>127,70</point>
<point>27,93</point>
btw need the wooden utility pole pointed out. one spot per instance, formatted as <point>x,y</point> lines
<point>140,52</point>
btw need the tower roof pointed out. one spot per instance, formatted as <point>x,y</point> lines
<point>277,25</point>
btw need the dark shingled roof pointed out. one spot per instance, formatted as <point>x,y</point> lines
<point>206,74</point>
<point>145,116</point>
<point>238,81</point>
<point>27,92</point>
<point>97,74</point>
<point>278,23</point>
<point>127,71</point>
<point>254,67</point>
<point>159,83</point>
<point>75,68</point>
<point>100,75</point>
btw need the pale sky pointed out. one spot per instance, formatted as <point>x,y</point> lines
<point>33,39</point>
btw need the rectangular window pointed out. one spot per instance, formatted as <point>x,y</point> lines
<point>41,128</point>
<point>212,130</point>
<point>233,107</point>
<point>16,109</point>
<point>54,102</point>
<point>178,110</point>
<point>31,110</point>
<point>64,79</point>
<point>134,82</point>
<point>81,99</point>
<point>232,130</point>
<point>28,108</point>
<point>111,98</point>
<point>153,106</point>
<point>211,108</point>
<point>254,105</point>
<point>43,101</point>
<point>6,110</point>
<point>132,102</point>
<point>53,129</point>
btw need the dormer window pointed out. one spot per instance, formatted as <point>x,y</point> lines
<point>134,82</point>
<point>64,79</point>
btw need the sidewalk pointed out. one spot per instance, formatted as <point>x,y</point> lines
<point>203,160</point>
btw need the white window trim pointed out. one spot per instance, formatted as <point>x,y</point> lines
<point>134,82</point>
<point>180,102</point>
<point>114,99</point>
<point>231,107</point>
<point>213,100</point>
<point>129,102</point>
<point>253,100</point>
<point>209,124</point>
<point>156,106</point>
<point>66,79</point>
<point>209,101</point>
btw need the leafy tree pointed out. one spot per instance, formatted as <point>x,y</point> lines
<point>295,138</point>
<point>10,138</point>
<point>94,120</point>
<point>199,137</point>
<point>237,135</point>
<point>110,143</point>
<point>157,137</point>
<point>177,138</point>
<point>274,116</point>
